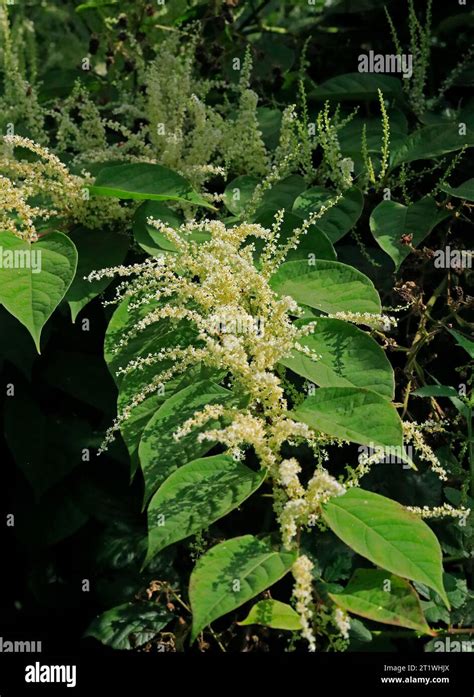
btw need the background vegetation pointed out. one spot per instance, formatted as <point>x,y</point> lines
<point>94,82</point>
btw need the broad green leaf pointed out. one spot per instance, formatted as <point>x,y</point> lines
<point>349,357</point>
<point>145,181</point>
<point>327,285</point>
<point>45,270</point>
<point>238,194</point>
<point>120,548</point>
<point>152,240</point>
<point>387,534</point>
<point>274,614</point>
<point>463,342</point>
<point>357,86</point>
<point>130,625</point>
<point>340,218</point>
<point>429,142</point>
<point>196,495</point>
<point>148,237</point>
<point>464,190</point>
<point>282,194</point>
<point>231,573</point>
<point>123,320</point>
<point>390,221</point>
<point>274,54</point>
<point>458,595</point>
<point>96,250</point>
<point>455,23</point>
<point>382,597</point>
<point>132,428</point>
<point>160,454</point>
<point>358,632</point>
<point>269,122</point>
<point>314,244</point>
<point>350,136</point>
<point>156,336</point>
<point>353,414</point>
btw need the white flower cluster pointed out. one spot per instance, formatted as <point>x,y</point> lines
<point>413,433</point>
<point>19,99</point>
<point>303,594</point>
<point>342,622</point>
<point>368,319</point>
<point>49,179</point>
<point>303,507</point>
<point>443,511</point>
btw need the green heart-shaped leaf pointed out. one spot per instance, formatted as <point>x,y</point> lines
<point>274,614</point>
<point>141,180</point>
<point>34,278</point>
<point>387,534</point>
<point>391,221</point>
<point>327,285</point>
<point>196,495</point>
<point>383,597</point>
<point>130,625</point>
<point>464,190</point>
<point>348,357</point>
<point>231,573</point>
<point>96,250</point>
<point>353,414</point>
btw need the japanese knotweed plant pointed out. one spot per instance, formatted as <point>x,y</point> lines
<point>175,121</point>
<point>179,130</point>
<point>19,100</point>
<point>420,45</point>
<point>209,346</point>
<point>35,193</point>
<point>183,129</point>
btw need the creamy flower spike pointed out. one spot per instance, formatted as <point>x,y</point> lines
<point>368,319</point>
<point>342,622</point>
<point>303,594</point>
<point>217,281</point>
<point>19,98</point>
<point>49,178</point>
<point>216,288</point>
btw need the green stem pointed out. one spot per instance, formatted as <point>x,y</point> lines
<point>219,643</point>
